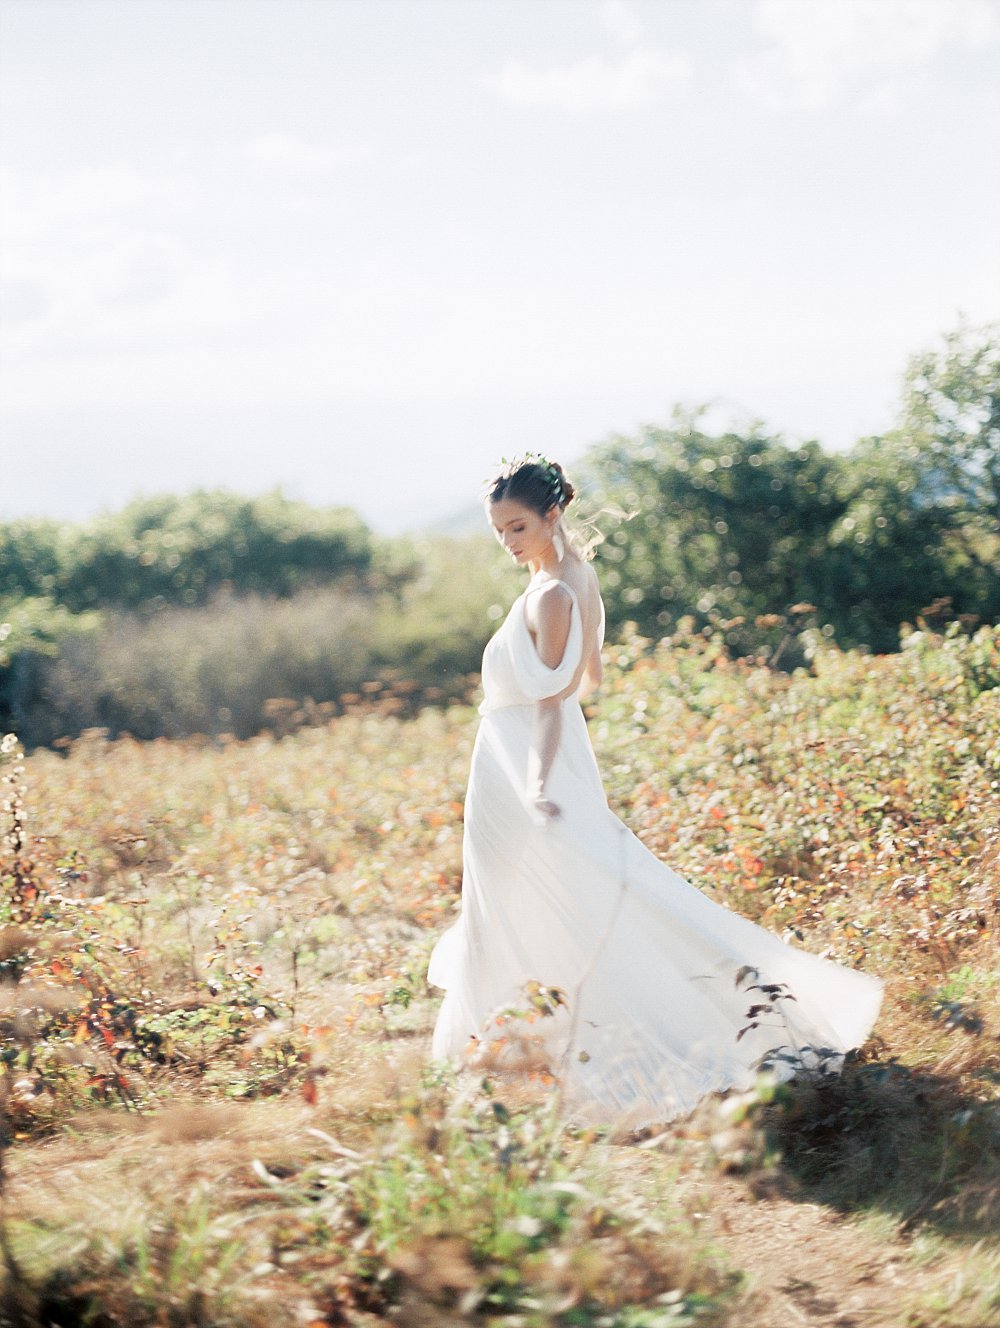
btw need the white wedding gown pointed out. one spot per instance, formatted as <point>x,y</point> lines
<point>652,974</point>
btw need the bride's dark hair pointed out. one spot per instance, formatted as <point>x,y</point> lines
<point>535,483</point>
<point>540,484</point>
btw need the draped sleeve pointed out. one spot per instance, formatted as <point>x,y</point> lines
<point>513,671</point>
<point>536,678</point>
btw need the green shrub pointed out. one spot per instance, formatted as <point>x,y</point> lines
<point>184,550</point>
<point>210,670</point>
<point>32,633</point>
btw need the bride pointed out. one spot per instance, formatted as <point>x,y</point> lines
<point>576,949</point>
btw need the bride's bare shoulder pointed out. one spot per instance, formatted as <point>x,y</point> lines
<point>552,597</point>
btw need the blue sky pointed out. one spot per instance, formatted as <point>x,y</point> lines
<point>360,249</point>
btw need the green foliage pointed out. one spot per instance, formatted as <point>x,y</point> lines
<point>724,526</point>
<point>951,417</point>
<point>33,632</point>
<point>461,1212</point>
<point>470,1200</point>
<point>183,550</point>
<point>738,527</point>
<point>39,627</point>
<point>31,551</point>
<point>435,628</point>
<point>923,520</point>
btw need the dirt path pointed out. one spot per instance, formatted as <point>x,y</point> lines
<point>808,1265</point>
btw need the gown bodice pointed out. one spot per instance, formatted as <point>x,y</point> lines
<point>513,672</point>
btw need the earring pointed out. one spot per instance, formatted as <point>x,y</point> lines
<point>559,544</point>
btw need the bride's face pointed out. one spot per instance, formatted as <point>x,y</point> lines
<point>522,532</point>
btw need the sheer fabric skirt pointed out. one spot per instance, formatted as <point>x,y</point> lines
<point>579,948</point>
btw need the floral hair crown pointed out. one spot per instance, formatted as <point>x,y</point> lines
<point>551,472</point>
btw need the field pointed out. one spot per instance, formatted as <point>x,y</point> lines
<point>217,1103</point>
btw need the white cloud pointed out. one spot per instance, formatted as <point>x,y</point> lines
<point>94,258</point>
<point>286,153</point>
<point>885,101</point>
<point>595,83</point>
<point>817,51</point>
<point>82,244</point>
<point>23,300</point>
<point>619,19</point>
<point>142,269</point>
<point>80,202</point>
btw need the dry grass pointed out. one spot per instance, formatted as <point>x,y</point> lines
<point>281,1154</point>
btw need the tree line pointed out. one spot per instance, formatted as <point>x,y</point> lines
<point>738,531</point>
<point>183,550</point>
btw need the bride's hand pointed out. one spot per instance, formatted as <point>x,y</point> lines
<point>544,810</point>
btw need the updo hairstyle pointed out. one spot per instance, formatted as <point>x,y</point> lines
<point>534,483</point>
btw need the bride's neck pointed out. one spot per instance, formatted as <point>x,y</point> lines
<point>551,566</point>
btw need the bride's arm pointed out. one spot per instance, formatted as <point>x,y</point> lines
<point>593,669</point>
<point>544,745</point>
<point>551,632</point>
<point>592,674</point>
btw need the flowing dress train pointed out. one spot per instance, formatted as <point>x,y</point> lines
<point>634,985</point>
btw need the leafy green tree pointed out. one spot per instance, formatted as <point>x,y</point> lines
<point>170,550</point>
<point>33,632</point>
<point>730,525</point>
<point>923,520</point>
<point>29,558</point>
<point>950,425</point>
<point>742,525</point>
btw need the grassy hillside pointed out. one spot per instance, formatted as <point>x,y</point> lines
<point>217,1107</point>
